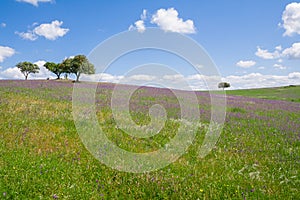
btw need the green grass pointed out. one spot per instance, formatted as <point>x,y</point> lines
<point>42,156</point>
<point>287,93</point>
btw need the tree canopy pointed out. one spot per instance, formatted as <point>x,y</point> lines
<point>80,65</point>
<point>223,85</point>
<point>76,65</point>
<point>55,68</point>
<point>27,68</point>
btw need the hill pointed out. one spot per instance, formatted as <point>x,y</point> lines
<point>287,93</point>
<point>42,155</point>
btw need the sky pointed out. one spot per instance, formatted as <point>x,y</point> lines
<point>253,43</point>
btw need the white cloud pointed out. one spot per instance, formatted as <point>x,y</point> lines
<point>294,75</point>
<point>103,77</point>
<point>3,25</point>
<point>139,24</point>
<point>27,36</point>
<point>141,77</point>
<point>291,19</point>
<point>6,52</point>
<point>43,72</point>
<point>279,66</point>
<point>144,15</point>
<point>265,54</point>
<point>280,60</point>
<point>293,52</point>
<point>169,21</point>
<point>50,31</point>
<point>257,80</point>
<point>175,77</point>
<point>11,73</point>
<point>261,67</point>
<point>34,2</point>
<point>278,48</point>
<point>246,63</point>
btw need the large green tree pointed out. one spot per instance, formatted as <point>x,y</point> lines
<point>80,65</point>
<point>56,68</point>
<point>28,68</point>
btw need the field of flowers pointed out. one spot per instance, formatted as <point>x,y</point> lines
<point>42,156</point>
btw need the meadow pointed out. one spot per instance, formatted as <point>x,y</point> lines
<point>42,157</point>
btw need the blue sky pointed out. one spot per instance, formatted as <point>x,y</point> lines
<point>253,43</point>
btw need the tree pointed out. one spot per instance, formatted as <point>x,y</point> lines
<point>224,85</point>
<point>55,68</point>
<point>66,66</point>
<point>27,68</point>
<point>80,65</point>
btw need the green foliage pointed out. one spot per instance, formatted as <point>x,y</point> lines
<point>80,65</point>
<point>27,68</point>
<point>77,65</point>
<point>56,68</point>
<point>223,85</point>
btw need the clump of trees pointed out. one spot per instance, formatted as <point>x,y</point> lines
<point>223,85</point>
<point>77,65</point>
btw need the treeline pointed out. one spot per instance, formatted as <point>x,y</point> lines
<point>77,65</point>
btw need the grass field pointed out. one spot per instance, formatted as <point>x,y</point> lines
<point>42,156</point>
<point>288,93</point>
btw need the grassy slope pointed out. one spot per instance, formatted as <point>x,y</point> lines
<point>288,93</point>
<point>42,156</point>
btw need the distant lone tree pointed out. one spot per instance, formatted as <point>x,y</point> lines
<point>55,68</point>
<point>28,68</point>
<point>79,65</point>
<point>224,85</point>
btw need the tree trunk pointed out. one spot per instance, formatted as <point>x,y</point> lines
<point>26,76</point>
<point>77,77</point>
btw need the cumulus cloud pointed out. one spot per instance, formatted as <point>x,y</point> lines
<point>139,25</point>
<point>28,35</point>
<point>43,72</point>
<point>293,52</point>
<point>291,19</point>
<point>294,75</point>
<point>103,77</point>
<point>6,52</point>
<point>246,63</point>
<point>169,21</point>
<point>257,80</point>
<point>279,66</point>
<point>11,73</point>
<point>175,77</point>
<point>141,77</point>
<point>50,31</point>
<point>265,54</point>
<point>34,2</point>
